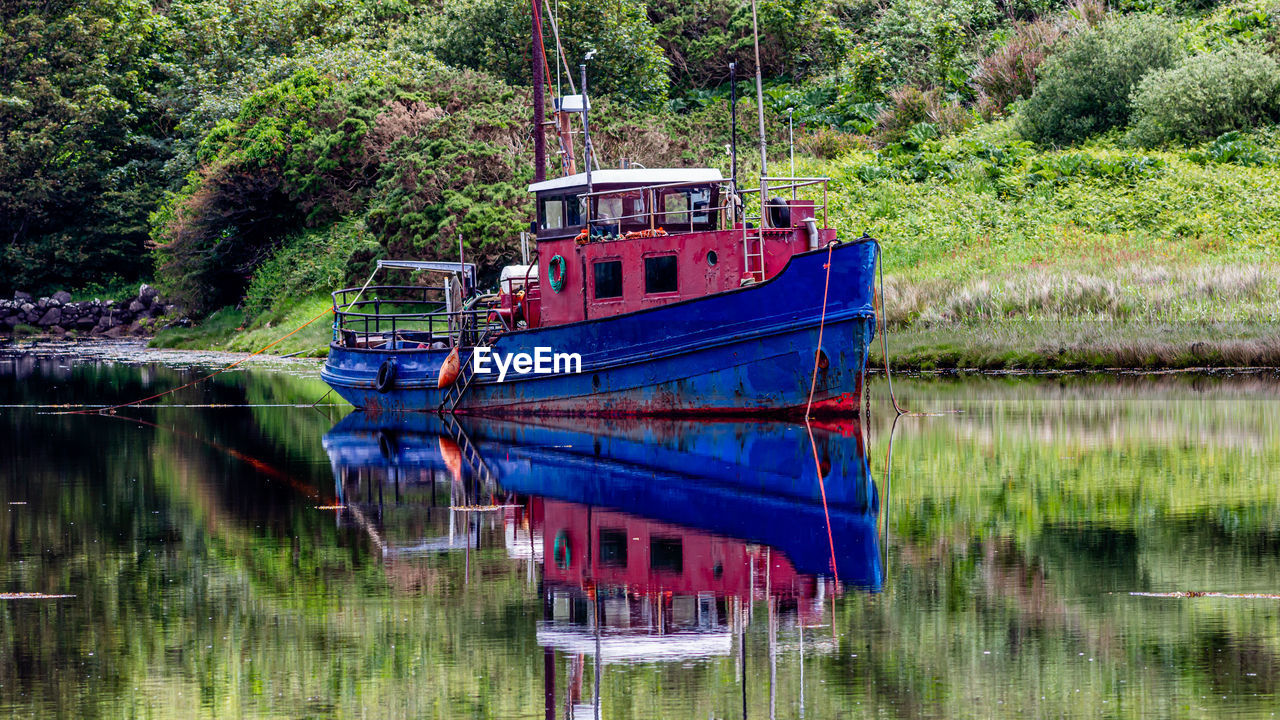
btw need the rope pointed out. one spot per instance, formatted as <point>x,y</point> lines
<point>197,381</point>
<point>219,371</point>
<point>884,333</point>
<point>822,487</point>
<point>822,322</point>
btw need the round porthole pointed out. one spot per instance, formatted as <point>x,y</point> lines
<point>712,258</point>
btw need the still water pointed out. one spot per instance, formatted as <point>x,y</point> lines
<point>1060,547</point>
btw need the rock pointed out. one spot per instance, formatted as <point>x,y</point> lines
<point>11,321</point>
<point>147,292</point>
<point>57,330</point>
<point>137,306</point>
<point>52,317</point>
<point>22,297</point>
<point>26,307</point>
<point>62,296</point>
<point>42,303</point>
<point>114,332</point>
<point>85,322</point>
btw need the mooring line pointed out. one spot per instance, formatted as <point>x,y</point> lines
<point>822,323</point>
<point>138,403</point>
<point>175,405</point>
<point>197,381</point>
<point>822,487</point>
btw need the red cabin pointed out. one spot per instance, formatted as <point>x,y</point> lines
<point>634,238</point>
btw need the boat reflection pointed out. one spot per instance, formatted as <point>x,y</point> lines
<point>656,539</point>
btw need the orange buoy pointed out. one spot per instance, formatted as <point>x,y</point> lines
<point>452,455</point>
<point>449,370</point>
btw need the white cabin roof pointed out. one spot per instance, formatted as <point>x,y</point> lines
<point>631,176</point>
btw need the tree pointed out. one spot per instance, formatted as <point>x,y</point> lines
<point>494,36</point>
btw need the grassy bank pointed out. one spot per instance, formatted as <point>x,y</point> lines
<point>998,255</point>
<point>229,329</point>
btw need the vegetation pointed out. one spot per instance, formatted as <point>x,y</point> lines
<point>246,154</point>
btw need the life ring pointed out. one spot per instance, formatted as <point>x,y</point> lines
<point>560,551</point>
<point>557,268</point>
<point>386,379</point>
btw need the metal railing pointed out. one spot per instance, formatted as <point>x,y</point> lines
<point>402,317</point>
<point>780,184</point>
<point>651,214</point>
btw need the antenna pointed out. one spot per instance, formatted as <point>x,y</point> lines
<point>586,133</point>
<point>791,141</point>
<point>733,125</point>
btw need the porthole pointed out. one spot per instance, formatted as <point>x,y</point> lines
<point>712,258</point>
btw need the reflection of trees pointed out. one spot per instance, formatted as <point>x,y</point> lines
<point>1016,529</point>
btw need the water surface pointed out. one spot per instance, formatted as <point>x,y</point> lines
<point>237,553</point>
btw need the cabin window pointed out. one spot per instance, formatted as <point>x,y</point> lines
<point>559,211</point>
<point>666,554</point>
<point>686,206</point>
<point>660,274</point>
<point>608,279</point>
<point>613,547</point>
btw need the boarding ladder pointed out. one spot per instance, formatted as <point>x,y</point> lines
<point>470,455</point>
<point>753,254</point>
<point>455,392</point>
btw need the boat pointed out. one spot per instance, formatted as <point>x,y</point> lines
<point>652,291</point>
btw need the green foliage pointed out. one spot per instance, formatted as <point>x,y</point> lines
<point>929,43</point>
<point>1235,148</point>
<point>312,260</point>
<point>798,38</point>
<point>493,36</point>
<point>1085,87</point>
<point>80,138</point>
<point>422,160</point>
<point>1207,95</point>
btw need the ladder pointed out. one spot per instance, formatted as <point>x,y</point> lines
<point>470,455</point>
<point>455,392</point>
<point>753,254</point>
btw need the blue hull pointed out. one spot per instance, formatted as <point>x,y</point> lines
<point>744,351</point>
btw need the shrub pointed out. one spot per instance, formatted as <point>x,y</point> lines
<point>1234,148</point>
<point>1085,87</point>
<point>910,108</point>
<point>1210,94</point>
<point>1010,72</point>
<point>312,261</point>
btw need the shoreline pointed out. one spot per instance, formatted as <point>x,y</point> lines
<point>135,350</point>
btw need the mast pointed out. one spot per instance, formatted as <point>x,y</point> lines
<point>539,100</point>
<point>764,160</point>
<point>586,135</point>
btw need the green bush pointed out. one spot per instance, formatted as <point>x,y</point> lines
<point>1085,86</point>
<point>493,36</point>
<point>1207,95</point>
<point>312,261</point>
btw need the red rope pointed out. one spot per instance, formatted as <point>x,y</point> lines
<point>817,464</point>
<point>822,322</point>
<point>197,381</point>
